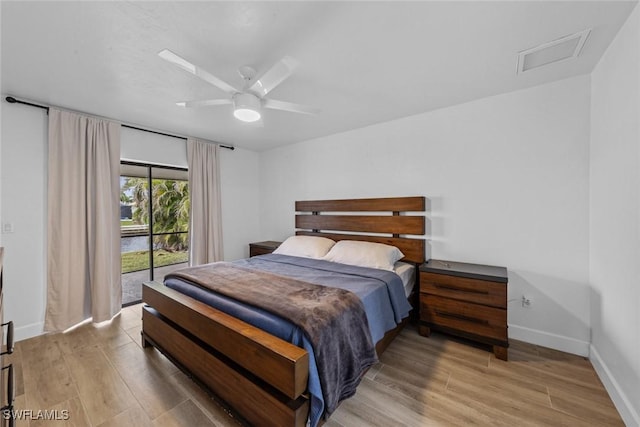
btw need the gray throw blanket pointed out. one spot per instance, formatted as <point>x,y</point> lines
<point>333,319</point>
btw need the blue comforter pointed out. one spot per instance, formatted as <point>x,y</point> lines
<point>381,292</point>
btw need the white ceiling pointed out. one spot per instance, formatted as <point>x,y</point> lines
<point>360,62</point>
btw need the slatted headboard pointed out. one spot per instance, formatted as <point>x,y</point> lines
<point>386,220</point>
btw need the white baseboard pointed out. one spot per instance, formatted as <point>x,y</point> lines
<point>28,331</point>
<point>548,339</point>
<point>623,405</point>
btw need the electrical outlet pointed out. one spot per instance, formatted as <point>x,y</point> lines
<point>526,301</point>
<point>7,227</point>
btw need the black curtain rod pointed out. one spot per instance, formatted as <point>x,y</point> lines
<point>12,100</point>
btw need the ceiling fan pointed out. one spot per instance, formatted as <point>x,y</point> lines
<point>248,101</point>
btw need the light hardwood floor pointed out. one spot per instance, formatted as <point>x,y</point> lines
<point>103,377</point>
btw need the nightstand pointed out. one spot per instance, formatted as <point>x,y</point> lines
<point>468,300</point>
<point>261,248</point>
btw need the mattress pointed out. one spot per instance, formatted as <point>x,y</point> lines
<point>407,273</point>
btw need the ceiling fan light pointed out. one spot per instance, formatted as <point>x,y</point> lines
<point>246,115</point>
<point>246,107</point>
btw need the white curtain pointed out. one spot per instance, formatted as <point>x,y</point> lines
<point>205,243</point>
<point>83,220</point>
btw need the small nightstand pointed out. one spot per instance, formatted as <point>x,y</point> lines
<point>261,248</point>
<point>468,300</point>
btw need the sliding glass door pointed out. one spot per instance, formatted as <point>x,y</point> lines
<point>154,225</point>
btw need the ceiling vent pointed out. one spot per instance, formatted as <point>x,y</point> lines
<point>558,50</point>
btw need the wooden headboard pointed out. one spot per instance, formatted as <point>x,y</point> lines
<point>386,222</point>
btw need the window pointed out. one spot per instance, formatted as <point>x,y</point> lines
<point>154,225</point>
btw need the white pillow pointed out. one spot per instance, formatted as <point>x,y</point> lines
<point>364,254</point>
<point>305,246</point>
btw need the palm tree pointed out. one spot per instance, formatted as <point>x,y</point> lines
<point>170,209</point>
<point>171,212</point>
<point>138,187</point>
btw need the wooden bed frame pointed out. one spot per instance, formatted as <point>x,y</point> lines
<point>258,376</point>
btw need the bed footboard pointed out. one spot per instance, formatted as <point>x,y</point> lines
<point>261,377</point>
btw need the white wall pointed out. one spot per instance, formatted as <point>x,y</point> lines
<point>147,147</point>
<point>615,219</point>
<point>239,176</point>
<point>507,177</point>
<point>23,201</point>
<point>24,204</point>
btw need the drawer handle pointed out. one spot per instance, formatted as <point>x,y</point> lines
<point>461,317</point>
<point>10,388</point>
<point>457,289</point>
<point>9,326</point>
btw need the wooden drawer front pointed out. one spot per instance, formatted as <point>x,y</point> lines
<point>257,250</point>
<point>468,317</point>
<point>8,386</point>
<point>1,329</point>
<point>464,289</point>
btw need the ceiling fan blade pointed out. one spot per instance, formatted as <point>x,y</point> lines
<point>273,76</point>
<point>289,106</point>
<point>169,56</point>
<point>204,103</point>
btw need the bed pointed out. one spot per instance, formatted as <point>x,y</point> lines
<point>261,378</point>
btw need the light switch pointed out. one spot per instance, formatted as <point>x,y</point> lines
<point>7,227</point>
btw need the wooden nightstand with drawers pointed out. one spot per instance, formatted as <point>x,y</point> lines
<point>262,248</point>
<point>7,384</point>
<point>468,300</point>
